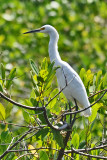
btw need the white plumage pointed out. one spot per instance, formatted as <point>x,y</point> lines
<point>65,74</point>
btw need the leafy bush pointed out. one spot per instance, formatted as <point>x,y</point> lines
<point>51,126</point>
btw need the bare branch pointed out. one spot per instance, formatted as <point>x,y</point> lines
<point>61,152</point>
<point>41,148</point>
<point>19,140</point>
<point>51,126</point>
<point>10,143</point>
<point>88,149</point>
<point>2,122</point>
<point>88,155</point>
<point>20,105</point>
<point>44,148</point>
<point>97,93</point>
<point>24,155</point>
<point>68,113</point>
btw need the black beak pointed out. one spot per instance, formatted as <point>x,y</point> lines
<point>33,31</point>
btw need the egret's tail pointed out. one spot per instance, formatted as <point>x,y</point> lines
<point>87,112</point>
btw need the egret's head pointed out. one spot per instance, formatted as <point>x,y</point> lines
<point>44,29</point>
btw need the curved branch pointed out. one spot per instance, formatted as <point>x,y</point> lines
<point>35,109</point>
<point>26,133</point>
<point>88,155</point>
<point>21,105</point>
<point>25,155</point>
<point>88,149</point>
<point>96,93</point>
<point>54,127</point>
<point>84,108</point>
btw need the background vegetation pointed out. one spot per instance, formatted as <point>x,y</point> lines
<point>82,26</point>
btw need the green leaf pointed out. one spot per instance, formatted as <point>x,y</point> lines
<point>40,79</point>
<point>42,118</point>
<point>1,88</point>
<point>47,92</point>
<point>26,116</point>
<point>98,77</point>
<point>105,81</point>
<point>2,112</point>
<point>58,137</point>
<point>82,144</point>
<point>75,140</point>
<point>54,101</point>
<point>82,73</point>
<point>43,155</point>
<point>10,78</point>
<point>4,135</point>
<point>34,67</point>
<point>32,79</point>
<point>43,132</point>
<point>88,136</point>
<point>3,72</point>
<point>43,74</point>
<point>94,111</point>
<point>44,64</point>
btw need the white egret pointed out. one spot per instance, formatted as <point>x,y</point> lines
<point>66,76</point>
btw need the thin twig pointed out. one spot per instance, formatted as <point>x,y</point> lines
<point>7,151</point>
<point>10,143</point>
<point>97,93</point>
<point>88,155</point>
<point>24,155</point>
<point>51,126</point>
<point>15,124</point>
<point>41,148</point>
<point>61,152</point>
<point>84,108</point>
<point>88,149</point>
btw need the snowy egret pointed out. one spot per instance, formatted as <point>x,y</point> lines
<point>66,76</point>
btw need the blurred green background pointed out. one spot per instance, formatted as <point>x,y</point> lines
<point>82,25</point>
<point>82,28</point>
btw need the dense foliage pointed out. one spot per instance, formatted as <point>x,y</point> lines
<point>82,28</point>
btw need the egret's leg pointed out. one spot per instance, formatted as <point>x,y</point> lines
<point>70,111</point>
<point>76,104</point>
<point>66,110</point>
<point>74,118</point>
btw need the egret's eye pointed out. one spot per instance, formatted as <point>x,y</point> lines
<point>43,28</point>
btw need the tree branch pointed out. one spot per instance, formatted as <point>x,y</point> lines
<point>51,126</point>
<point>20,105</point>
<point>61,152</point>
<point>19,140</point>
<point>97,93</point>
<point>84,108</point>
<point>24,155</point>
<point>88,155</point>
<point>88,149</point>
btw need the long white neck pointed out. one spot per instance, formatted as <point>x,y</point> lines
<point>53,48</point>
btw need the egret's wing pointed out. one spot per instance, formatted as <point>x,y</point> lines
<point>75,87</point>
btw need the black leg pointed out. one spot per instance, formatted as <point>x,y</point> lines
<point>76,104</point>
<point>74,118</point>
<point>70,111</point>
